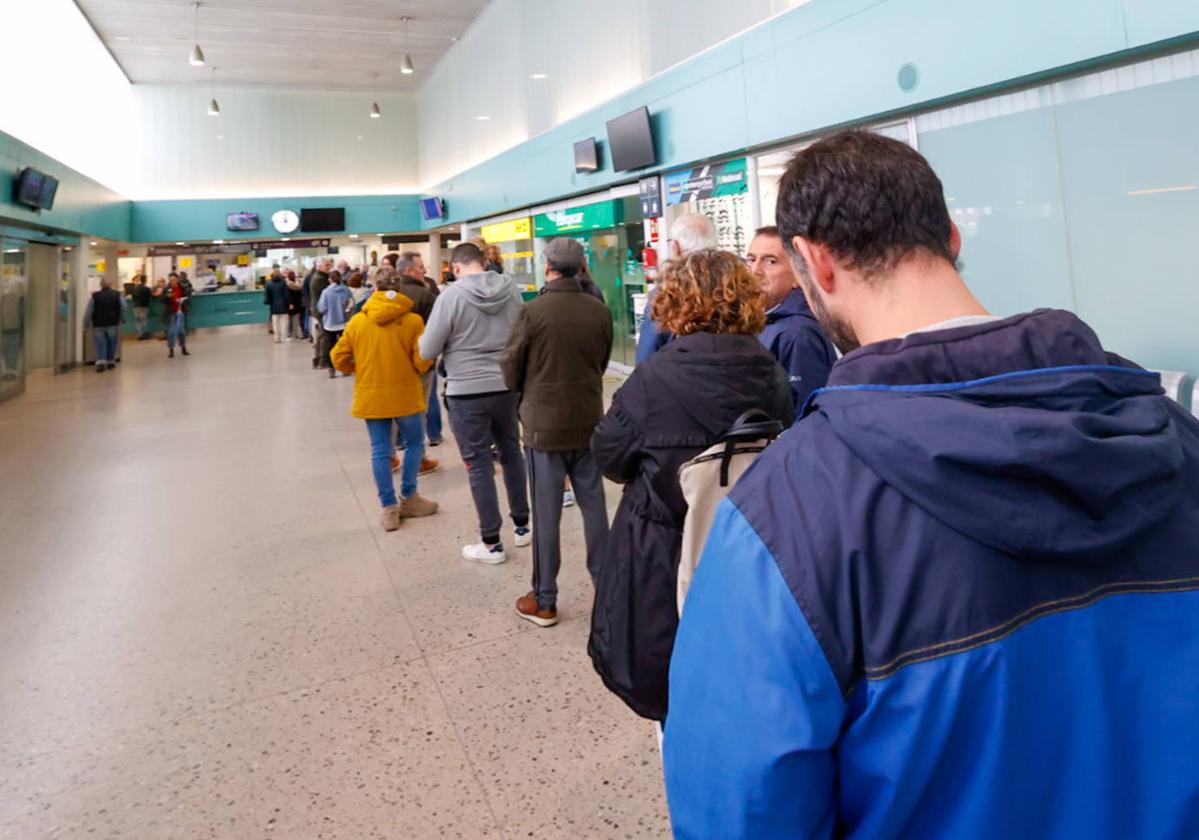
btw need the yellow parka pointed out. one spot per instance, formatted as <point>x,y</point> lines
<point>379,346</point>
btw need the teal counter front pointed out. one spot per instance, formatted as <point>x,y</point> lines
<point>211,309</point>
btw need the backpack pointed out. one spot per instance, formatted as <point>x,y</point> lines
<point>707,478</point>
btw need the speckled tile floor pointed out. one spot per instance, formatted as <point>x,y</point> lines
<point>205,634</point>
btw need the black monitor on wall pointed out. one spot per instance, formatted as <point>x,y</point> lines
<point>587,156</point>
<point>322,219</point>
<point>49,191</point>
<point>631,141</point>
<point>28,188</point>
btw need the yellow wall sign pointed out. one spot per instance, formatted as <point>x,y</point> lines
<point>101,267</point>
<point>512,231</point>
<point>243,259</point>
<point>186,262</point>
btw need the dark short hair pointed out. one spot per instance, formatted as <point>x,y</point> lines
<point>467,252</point>
<point>174,274</point>
<point>564,270</point>
<point>768,230</point>
<point>871,200</point>
<point>391,258</point>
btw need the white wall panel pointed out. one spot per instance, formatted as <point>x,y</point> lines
<point>273,143</point>
<point>62,93</point>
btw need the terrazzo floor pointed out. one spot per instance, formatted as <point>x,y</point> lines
<point>204,633</point>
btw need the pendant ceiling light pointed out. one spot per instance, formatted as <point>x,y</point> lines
<point>375,112</point>
<point>214,107</point>
<point>406,65</point>
<point>196,59</point>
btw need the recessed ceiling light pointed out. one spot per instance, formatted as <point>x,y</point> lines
<point>218,242</point>
<point>482,117</point>
<point>94,243</point>
<point>286,239</point>
<point>180,243</point>
<point>353,236</point>
<point>359,136</point>
<point>220,137</point>
<point>539,75</point>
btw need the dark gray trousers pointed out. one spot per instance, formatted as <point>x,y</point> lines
<point>547,474</point>
<point>478,424</point>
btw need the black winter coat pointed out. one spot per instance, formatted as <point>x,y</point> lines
<point>673,407</point>
<point>276,296</point>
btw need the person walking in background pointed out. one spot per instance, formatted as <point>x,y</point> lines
<point>792,334</point>
<point>140,296</point>
<point>411,277</point>
<point>334,307</point>
<point>494,258</point>
<point>104,314</point>
<point>672,408</point>
<point>959,598</point>
<point>690,232</point>
<point>296,327</point>
<point>276,298</point>
<point>555,360</point>
<point>186,285</point>
<point>380,348</point>
<point>306,298</point>
<point>320,282</point>
<point>175,302</point>
<point>470,325</point>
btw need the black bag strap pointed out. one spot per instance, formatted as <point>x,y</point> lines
<point>754,424</point>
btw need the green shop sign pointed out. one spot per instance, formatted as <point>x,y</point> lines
<point>728,178</point>
<point>606,214</point>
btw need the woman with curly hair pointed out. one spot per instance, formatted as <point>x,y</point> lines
<point>673,407</point>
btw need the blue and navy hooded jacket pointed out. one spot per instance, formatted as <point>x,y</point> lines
<point>794,337</point>
<point>959,599</point>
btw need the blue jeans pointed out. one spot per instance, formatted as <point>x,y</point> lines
<point>433,413</point>
<point>176,331</point>
<point>106,343</point>
<point>412,431</point>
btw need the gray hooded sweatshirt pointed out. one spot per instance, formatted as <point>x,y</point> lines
<point>470,324</point>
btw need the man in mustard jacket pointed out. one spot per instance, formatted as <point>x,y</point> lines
<point>379,346</point>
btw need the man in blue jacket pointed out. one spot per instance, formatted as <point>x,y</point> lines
<point>792,334</point>
<point>960,598</point>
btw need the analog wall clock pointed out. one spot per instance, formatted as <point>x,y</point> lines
<point>286,221</point>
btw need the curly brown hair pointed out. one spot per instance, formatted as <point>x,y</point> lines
<point>709,291</point>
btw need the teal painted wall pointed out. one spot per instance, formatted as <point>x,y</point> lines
<point>82,206</point>
<point>170,221</point>
<point>823,64</point>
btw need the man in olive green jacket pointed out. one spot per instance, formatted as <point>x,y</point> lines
<point>555,359</point>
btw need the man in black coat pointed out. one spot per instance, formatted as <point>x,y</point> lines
<point>555,359</point>
<point>277,298</point>
<point>104,314</point>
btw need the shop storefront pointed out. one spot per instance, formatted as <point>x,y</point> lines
<point>719,191</point>
<point>613,239</point>
<point>514,238</point>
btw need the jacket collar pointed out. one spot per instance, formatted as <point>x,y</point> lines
<point>1045,338</point>
<point>563,284</point>
<point>793,304</point>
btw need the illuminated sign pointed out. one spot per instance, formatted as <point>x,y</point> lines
<point>511,231</point>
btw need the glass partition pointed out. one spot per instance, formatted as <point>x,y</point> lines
<point>14,288</point>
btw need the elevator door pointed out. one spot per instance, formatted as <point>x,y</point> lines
<point>14,286</point>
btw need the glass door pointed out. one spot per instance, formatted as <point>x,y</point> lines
<point>64,314</point>
<point>13,291</point>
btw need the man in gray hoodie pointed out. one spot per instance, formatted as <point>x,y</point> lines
<point>469,328</point>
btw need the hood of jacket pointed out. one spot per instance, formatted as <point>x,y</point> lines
<point>1022,434</point>
<point>387,307</point>
<point>489,292</point>
<point>794,305</point>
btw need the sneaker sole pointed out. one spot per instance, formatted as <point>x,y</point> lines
<point>431,470</point>
<point>540,622</point>
<point>501,561</point>
<point>523,542</point>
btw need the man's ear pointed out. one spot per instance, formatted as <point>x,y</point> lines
<point>819,261</point>
<point>955,240</point>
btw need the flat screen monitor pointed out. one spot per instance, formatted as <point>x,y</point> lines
<point>29,188</point>
<point>241,221</point>
<point>49,191</point>
<point>631,141</point>
<point>432,209</point>
<point>586,156</point>
<point>322,219</point>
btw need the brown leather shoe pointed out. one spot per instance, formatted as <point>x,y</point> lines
<point>527,609</point>
<point>391,518</point>
<point>417,505</point>
<point>428,465</point>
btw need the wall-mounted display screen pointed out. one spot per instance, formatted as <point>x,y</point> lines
<point>241,221</point>
<point>28,189</point>
<point>49,191</point>
<point>320,219</point>
<point>631,141</point>
<point>586,155</point>
<point>432,209</point>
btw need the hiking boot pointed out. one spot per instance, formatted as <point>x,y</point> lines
<point>171,353</point>
<point>428,465</point>
<point>492,555</point>
<point>185,353</point>
<point>416,506</point>
<point>524,537</point>
<point>528,609</point>
<point>391,518</point>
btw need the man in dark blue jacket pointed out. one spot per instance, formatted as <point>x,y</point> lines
<point>792,334</point>
<point>960,598</point>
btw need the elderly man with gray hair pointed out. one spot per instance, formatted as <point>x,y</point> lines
<point>104,314</point>
<point>690,232</point>
<point>320,282</point>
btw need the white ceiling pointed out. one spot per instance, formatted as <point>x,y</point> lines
<point>308,44</point>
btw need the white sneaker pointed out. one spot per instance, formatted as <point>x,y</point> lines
<point>568,498</point>
<point>492,555</point>
<point>524,537</point>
